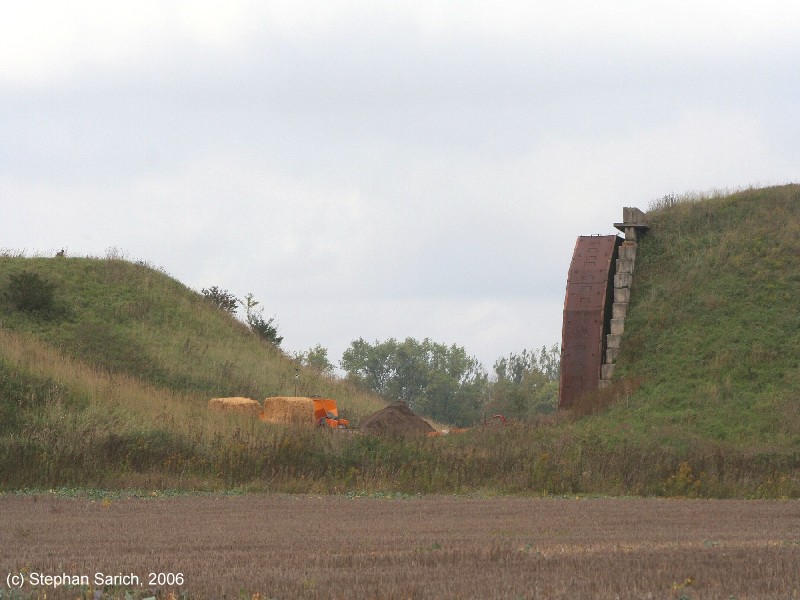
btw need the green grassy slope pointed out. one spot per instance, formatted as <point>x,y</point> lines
<point>713,330</point>
<point>110,388</point>
<point>129,319</point>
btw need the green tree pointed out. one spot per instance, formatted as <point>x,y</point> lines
<point>526,384</point>
<point>316,358</point>
<point>368,365</point>
<point>439,381</point>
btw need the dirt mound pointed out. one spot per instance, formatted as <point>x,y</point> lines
<point>397,418</point>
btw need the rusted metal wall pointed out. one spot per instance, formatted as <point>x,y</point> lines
<point>587,315</point>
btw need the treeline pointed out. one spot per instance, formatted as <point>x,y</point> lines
<point>438,381</point>
<point>444,383</point>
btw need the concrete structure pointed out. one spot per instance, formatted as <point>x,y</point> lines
<point>634,225</point>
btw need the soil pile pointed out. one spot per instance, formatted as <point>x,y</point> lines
<point>397,418</point>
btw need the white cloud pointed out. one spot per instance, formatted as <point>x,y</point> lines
<point>382,169</point>
<point>46,40</point>
<point>42,41</point>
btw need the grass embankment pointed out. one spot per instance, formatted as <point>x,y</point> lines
<point>127,318</point>
<point>112,392</point>
<point>712,338</point>
<point>116,376</point>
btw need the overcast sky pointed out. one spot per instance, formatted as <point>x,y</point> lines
<point>382,169</point>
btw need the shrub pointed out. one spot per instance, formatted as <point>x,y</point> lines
<point>29,292</point>
<point>257,324</point>
<point>264,328</point>
<point>221,298</point>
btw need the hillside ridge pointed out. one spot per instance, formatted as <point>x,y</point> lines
<point>712,337</point>
<point>129,319</point>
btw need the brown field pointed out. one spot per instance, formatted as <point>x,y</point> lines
<point>278,546</point>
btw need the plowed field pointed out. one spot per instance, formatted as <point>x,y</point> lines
<point>265,546</point>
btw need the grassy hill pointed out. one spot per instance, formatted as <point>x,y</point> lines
<point>126,318</point>
<point>123,365</point>
<point>109,389</point>
<point>712,338</point>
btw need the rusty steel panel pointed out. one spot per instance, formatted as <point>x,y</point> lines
<point>587,315</point>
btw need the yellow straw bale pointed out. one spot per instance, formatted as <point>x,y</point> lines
<point>288,409</point>
<point>237,404</point>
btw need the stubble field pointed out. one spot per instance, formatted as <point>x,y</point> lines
<point>280,546</point>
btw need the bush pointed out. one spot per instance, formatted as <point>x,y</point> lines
<point>29,292</point>
<point>255,321</point>
<point>264,328</point>
<point>222,299</point>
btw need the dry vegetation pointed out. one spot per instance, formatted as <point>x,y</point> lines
<point>278,546</point>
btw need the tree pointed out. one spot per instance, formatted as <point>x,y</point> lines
<point>316,358</point>
<point>258,325</point>
<point>436,380</point>
<point>222,299</point>
<point>526,384</point>
<point>368,365</point>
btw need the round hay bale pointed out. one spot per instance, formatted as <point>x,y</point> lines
<point>395,419</point>
<point>236,404</point>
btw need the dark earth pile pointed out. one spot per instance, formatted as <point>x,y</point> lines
<point>397,418</point>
